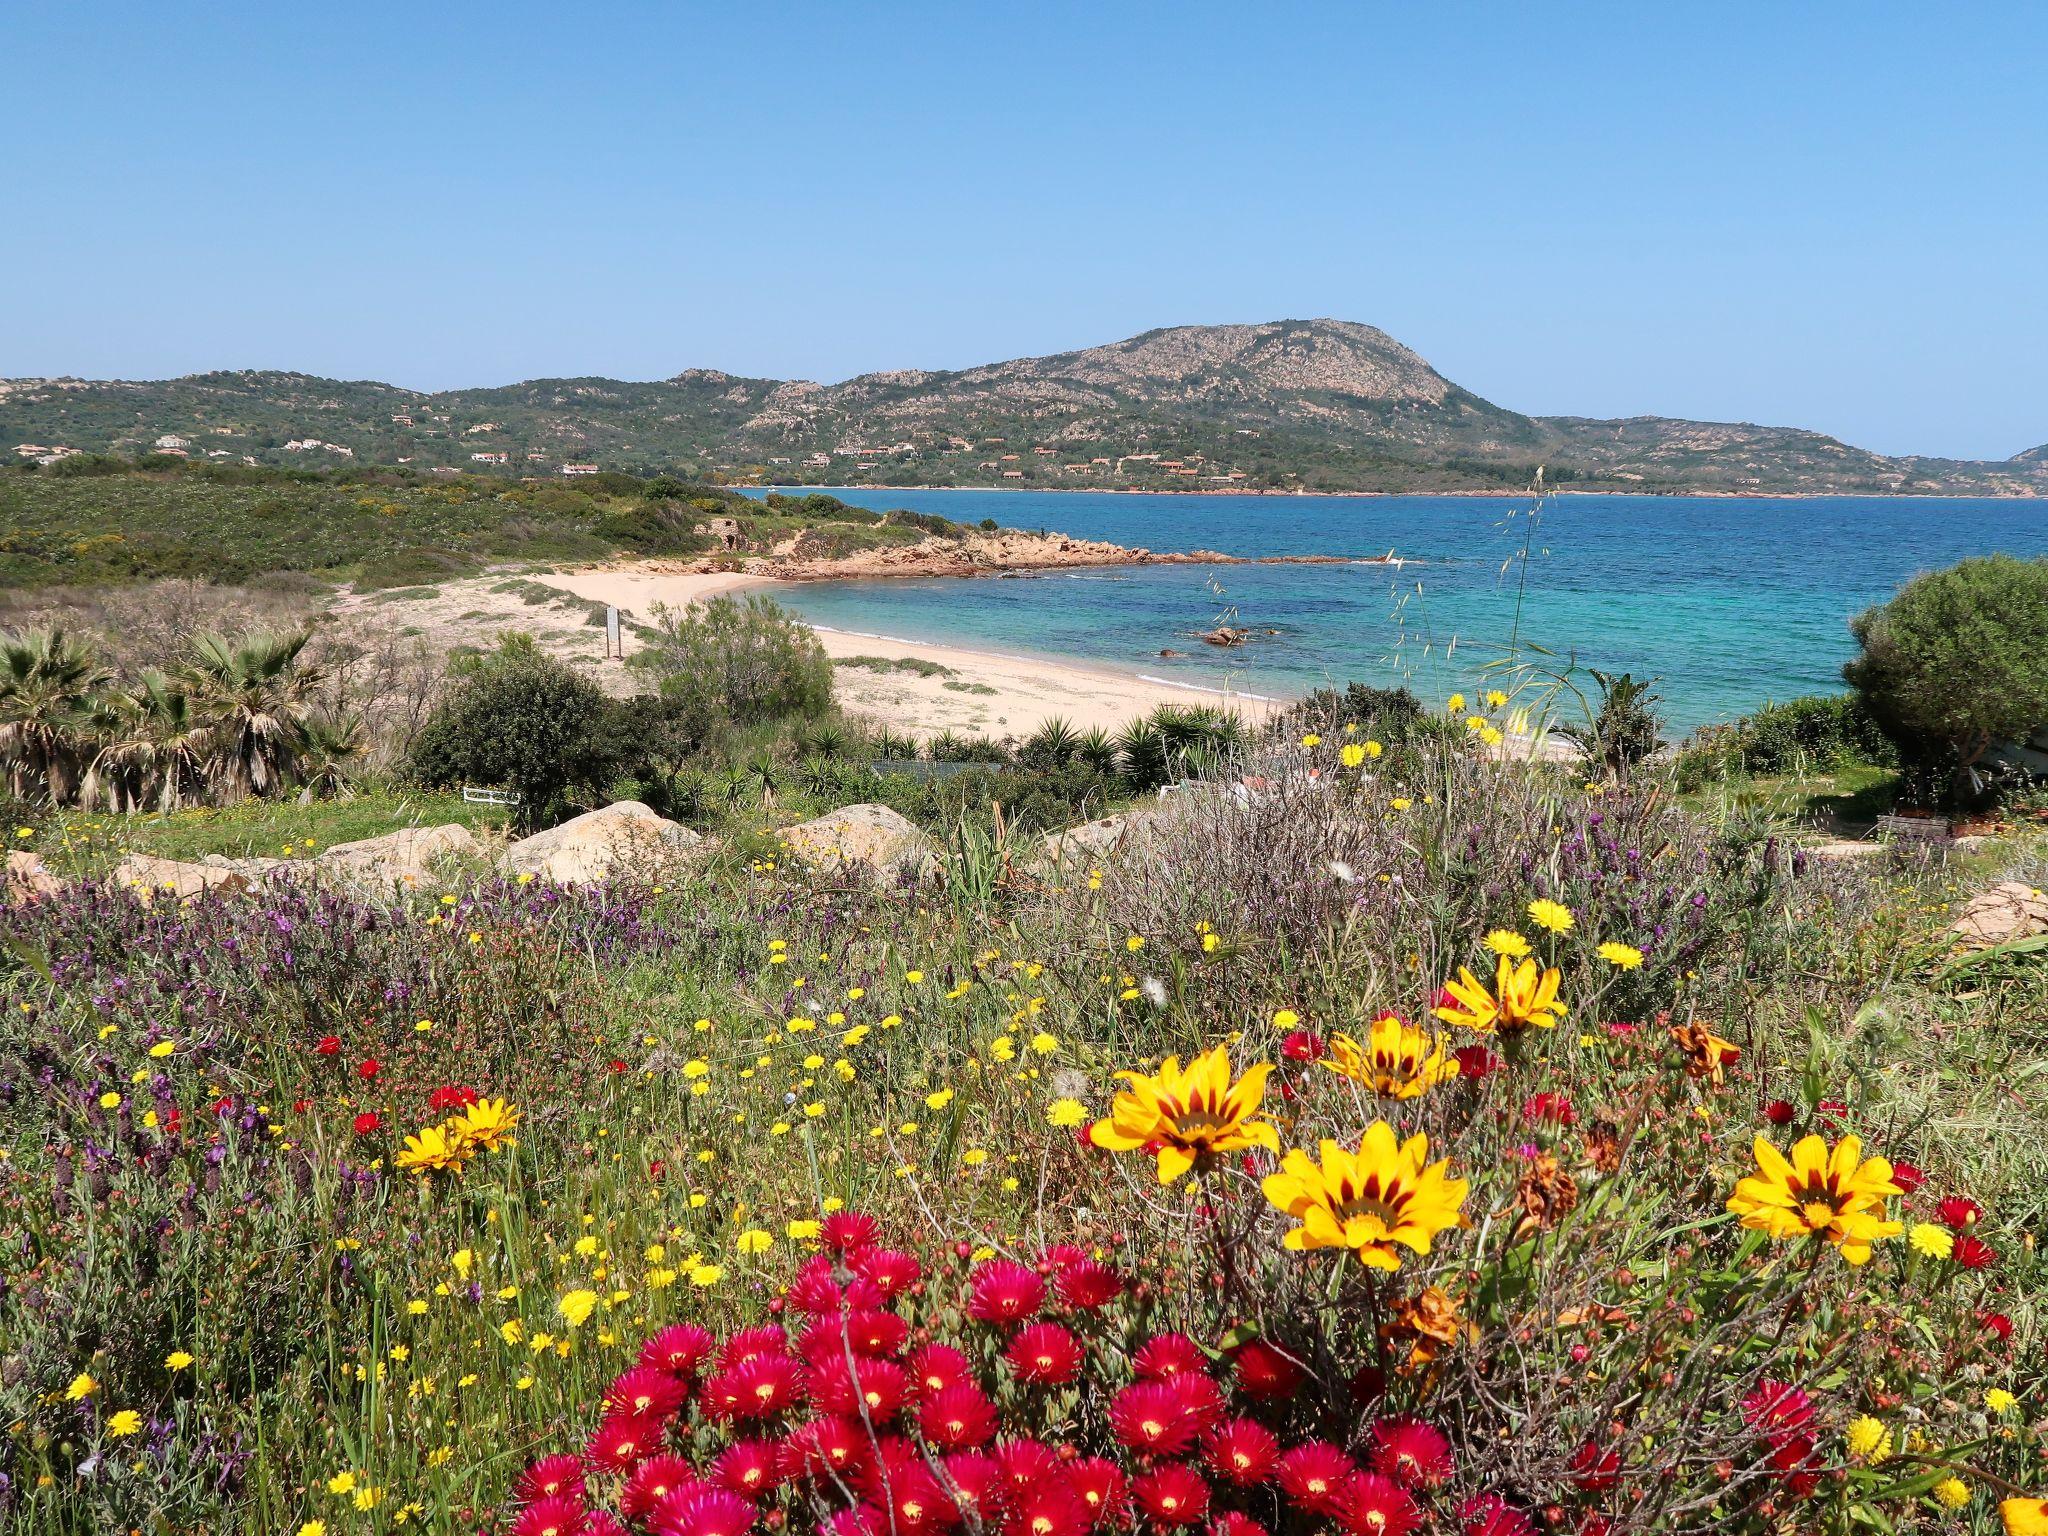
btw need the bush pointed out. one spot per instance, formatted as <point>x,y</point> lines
<point>1387,713</point>
<point>1959,659</point>
<point>1813,734</point>
<point>1626,730</point>
<point>735,662</point>
<point>520,720</point>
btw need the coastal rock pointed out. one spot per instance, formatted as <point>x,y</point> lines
<point>2002,913</point>
<point>621,839</point>
<point>1224,634</point>
<point>405,857</point>
<point>1093,843</point>
<point>28,879</point>
<point>869,835</point>
<point>150,877</point>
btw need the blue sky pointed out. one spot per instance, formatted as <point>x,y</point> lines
<point>1824,215</point>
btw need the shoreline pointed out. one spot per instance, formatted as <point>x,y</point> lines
<point>1503,495</point>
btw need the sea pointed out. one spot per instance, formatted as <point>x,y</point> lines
<point>1728,603</point>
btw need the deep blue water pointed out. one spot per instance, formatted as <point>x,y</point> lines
<point>1730,602</point>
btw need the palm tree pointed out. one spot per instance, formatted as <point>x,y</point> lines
<point>333,742</point>
<point>48,687</point>
<point>155,752</point>
<point>253,694</point>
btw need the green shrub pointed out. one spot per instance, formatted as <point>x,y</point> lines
<point>735,662</point>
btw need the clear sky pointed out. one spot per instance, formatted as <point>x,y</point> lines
<point>1823,215</point>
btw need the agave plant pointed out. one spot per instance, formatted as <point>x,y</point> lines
<point>1052,745</point>
<point>154,750</point>
<point>255,695</point>
<point>1098,749</point>
<point>49,684</point>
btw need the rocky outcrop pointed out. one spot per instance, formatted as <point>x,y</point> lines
<point>615,841</point>
<point>1094,843</point>
<point>869,836</point>
<point>402,858</point>
<point>2002,913</point>
<point>151,877</point>
<point>28,879</point>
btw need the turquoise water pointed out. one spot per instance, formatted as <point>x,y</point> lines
<point>1730,602</point>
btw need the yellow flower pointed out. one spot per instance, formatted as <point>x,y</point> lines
<point>938,1100</point>
<point>486,1124</point>
<point>1455,704</point>
<point>1398,1060</point>
<point>313,1528</point>
<point>1998,1400</point>
<point>1311,740</point>
<point>1387,1193</point>
<point>1936,1242</point>
<point>704,1275</point>
<point>1505,941</point>
<point>1951,1493</point>
<point>1351,755</point>
<point>431,1151</point>
<point>1523,994</point>
<point>2024,1517</point>
<point>163,1048</point>
<point>110,1101</point>
<point>177,1360</point>
<point>1625,957</point>
<point>1834,1195</point>
<point>1553,915</point>
<point>341,1483</point>
<point>123,1424</point>
<point>1867,1439</point>
<point>1192,1114</point>
<point>754,1240</point>
<point>802,1231</point>
<point>1066,1113</point>
<point>576,1307</point>
<point>82,1386</point>
<point>974,1158</point>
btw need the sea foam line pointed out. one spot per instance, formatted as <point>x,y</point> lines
<point>1043,661</point>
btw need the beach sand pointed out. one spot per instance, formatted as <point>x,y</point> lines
<point>988,693</point>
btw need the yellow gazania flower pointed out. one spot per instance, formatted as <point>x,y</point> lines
<point>1554,915</point>
<point>1384,1194</point>
<point>1191,1114</point>
<point>486,1124</point>
<point>1836,1196</point>
<point>431,1151</point>
<point>2024,1517</point>
<point>1505,941</point>
<point>1625,957</point>
<point>1524,993</point>
<point>1352,754</point>
<point>1398,1060</point>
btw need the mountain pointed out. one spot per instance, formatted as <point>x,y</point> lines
<point>1291,404</point>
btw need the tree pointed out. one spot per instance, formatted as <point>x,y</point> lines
<point>49,686</point>
<point>518,719</point>
<point>334,740</point>
<point>1958,658</point>
<point>253,694</point>
<point>154,753</point>
<point>736,662</point>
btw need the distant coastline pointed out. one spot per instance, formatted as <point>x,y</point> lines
<point>1526,494</point>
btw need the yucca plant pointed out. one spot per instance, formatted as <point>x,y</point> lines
<point>1052,745</point>
<point>1098,749</point>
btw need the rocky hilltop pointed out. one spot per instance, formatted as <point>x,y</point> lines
<point>1326,405</point>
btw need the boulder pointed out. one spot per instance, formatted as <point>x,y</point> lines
<point>150,877</point>
<point>625,838</point>
<point>1095,842</point>
<point>869,835</point>
<point>405,857</point>
<point>28,879</point>
<point>2002,913</point>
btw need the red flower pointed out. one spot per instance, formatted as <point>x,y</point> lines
<point>1303,1045</point>
<point>1264,1373</point>
<point>829,1447</point>
<point>1907,1176</point>
<point>1793,1460</point>
<point>330,1045</point>
<point>1488,1514</point>
<point>957,1417</point>
<point>1044,1354</point>
<point>1376,1505</point>
<point>1594,1469</point>
<point>678,1349</point>
<point>367,1123</point>
<point>645,1390</point>
<point>1241,1451</point>
<point>654,1480</point>
<point>1099,1483</point>
<point>1959,1212</point>
<point>1150,1416</point>
<point>1172,1496</point>
<point>916,1503</point>
<point>1005,1292</point>
<point>550,1477</point>
<point>1315,1476</point>
<point>1779,1112</point>
<point>1168,1354</point>
<point>1549,1109</point>
<point>1475,1062</point>
<point>551,1516</point>
<point>863,1387</point>
<point>756,1388</point>
<point>702,1512</point>
<point>750,1468</point>
<point>1997,1324</point>
<point>1973,1254</point>
<point>1775,1409</point>
<point>1412,1452</point>
<point>866,1332</point>
<point>890,1272</point>
<point>977,1482</point>
<point>939,1366</point>
<point>600,1522</point>
<point>451,1096</point>
<point>1200,1398</point>
<point>764,1339</point>
<point>1027,1463</point>
<point>1048,1507</point>
<point>845,1231</point>
<point>367,1068</point>
<point>1088,1285</point>
<point>1833,1111</point>
<point>1231,1523</point>
<point>623,1439</point>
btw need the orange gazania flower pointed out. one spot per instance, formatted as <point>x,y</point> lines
<point>1397,1061</point>
<point>1188,1115</point>
<point>1835,1195</point>
<point>2024,1517</point>
<point>1524,994</point>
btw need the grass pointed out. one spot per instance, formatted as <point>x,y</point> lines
<point>914,665</point>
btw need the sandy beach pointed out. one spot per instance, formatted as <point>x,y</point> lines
<point>986,692</point>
